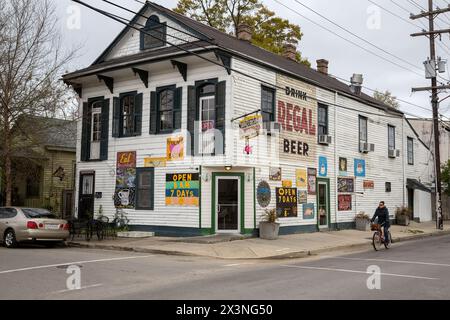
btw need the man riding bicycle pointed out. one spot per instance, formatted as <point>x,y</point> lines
<point>382,214</point>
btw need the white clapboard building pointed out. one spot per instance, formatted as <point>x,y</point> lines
<point>190,131</point>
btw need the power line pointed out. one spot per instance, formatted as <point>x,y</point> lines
<point>109,15</point>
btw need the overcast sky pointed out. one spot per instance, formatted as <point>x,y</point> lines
<point>359,16</point>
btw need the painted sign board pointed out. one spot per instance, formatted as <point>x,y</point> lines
<point>182,189</point>
<point>346,185</point>
<point>286,202</point>
<point>344,202</point>
<point>250,126</point>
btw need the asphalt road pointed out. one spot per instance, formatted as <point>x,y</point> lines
<point>410,270</point>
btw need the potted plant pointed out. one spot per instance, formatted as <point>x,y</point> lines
<point>269,227</point>
<point>402,215</point>
<point>362,221</point>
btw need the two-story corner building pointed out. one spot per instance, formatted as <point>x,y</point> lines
<point>171,134</point>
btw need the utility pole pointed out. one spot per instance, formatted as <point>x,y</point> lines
<point>431,14</point>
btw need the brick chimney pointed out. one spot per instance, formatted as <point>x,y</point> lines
<point>290,51</point>
<point>322,66</point>
<point>244,32</point>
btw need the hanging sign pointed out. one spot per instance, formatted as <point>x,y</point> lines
<point>346,185</point>
<point>250,126</point>
<point>344,202</point>
<point>312,177</point>
<point>323,167</point>
<point>342,166</point>
<point>308,211</point>
<point>286,183</point>
<point>182,189</point>
<point>286,202</point>
<point>126,159</point>
<point>301,178</point>
<point>175,148</point>
<point>274,174</point>
<point>302,196</point>
<point>360,168</point>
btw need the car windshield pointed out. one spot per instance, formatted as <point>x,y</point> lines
<point>32,213</point>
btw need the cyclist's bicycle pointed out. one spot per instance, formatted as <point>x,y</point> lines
<point>120,220</point>
<point>378,237</point>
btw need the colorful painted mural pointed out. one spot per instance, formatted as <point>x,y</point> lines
<point>286,202</point>
<point>182,189</point>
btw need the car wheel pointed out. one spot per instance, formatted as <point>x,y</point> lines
<point>10,239</point>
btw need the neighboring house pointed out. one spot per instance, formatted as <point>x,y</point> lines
<point>424,128</point>
<point>43,169</point>
<point>150,139</point>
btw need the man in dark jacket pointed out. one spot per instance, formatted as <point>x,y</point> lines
<point>382,213</point>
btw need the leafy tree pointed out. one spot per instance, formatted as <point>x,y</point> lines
<point>445,177</point>
<point>270,32</point>
<point>31,62</point>
<point>387,98</point>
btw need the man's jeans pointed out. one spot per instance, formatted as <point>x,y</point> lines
<point>385,231</point>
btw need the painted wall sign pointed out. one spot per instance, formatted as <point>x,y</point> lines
<point>126,159</point>
<point>308,211</point>
<point>344,202</point>
<point>182,189</point>
<point>124,195</point>
<point>323,167</point>
<point>312,177</point>
<point>368,184</point>
<point>263,194</point>
<point>250,126</point>
<point>286,202</point>
<point>360,168</point>
<point>302,196</point>
<point>155,162</point>
<point>342,166</point>
<point>286,183</point>
<point>346,185</point>
<point>175,148</point>
<point>297,115</point>
<point>274,174</point>
<point>301,178</point>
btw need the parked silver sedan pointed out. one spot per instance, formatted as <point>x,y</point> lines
<point>31,224</point>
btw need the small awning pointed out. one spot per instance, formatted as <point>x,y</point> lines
<point>416,185</point>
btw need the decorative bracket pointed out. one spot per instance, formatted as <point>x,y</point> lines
<point>182,68</point>
<point>142,74</point>
<point>109,82</point>
<point>225,58</point>
<point>77,87</point>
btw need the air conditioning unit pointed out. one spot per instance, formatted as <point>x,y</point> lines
<point>394,153</point>
<point>366,147</point>
<point>323,139</point>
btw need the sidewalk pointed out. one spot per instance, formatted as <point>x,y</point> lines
<point>291,246</point>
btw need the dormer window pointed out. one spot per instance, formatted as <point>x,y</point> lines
<point>153,35</point>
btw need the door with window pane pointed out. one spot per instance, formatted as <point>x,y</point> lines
<point>145,188</point>
<point>323,203</point>
<point>86,195</point>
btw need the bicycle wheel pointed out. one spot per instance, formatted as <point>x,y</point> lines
<point>388,245</point>
<point>376,241</point>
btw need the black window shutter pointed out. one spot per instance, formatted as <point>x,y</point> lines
<point>116,118</point>
<point>177,108</point>
<point>152,183</point>
<point>153,113</point>
<point>138,114</point>
<point>105,130</point>
<point>86,133</point>
<point>220,116</point>
<point>192,116</point>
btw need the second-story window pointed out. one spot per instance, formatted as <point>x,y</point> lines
<point>322,120</point>
<point>153,35</point>
<point>165,112</point>
<point>363,136</point>
<point>410,150</point>
<point>391,137</point>
<point>165,109</point>
<point>267,106</point>
<point>127,115</point>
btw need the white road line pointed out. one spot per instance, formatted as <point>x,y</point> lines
<point>71,263</point>
<point>285,249</point>
<point>72,290</point>
<point>237,264</point>
<point>357,271</point>
<point>393,261</point>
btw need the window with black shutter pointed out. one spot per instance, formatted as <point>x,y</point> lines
<point>267,106</point>
<point>127,115</point>
<point>410,150</point>
<point>145,188</point>
<point>95,128</point>
<point>391,137</point>
<point>165,110</point>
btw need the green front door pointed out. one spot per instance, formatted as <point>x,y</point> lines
<point>323,203</point>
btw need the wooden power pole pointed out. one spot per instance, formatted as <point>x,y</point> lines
<point>432,34</point>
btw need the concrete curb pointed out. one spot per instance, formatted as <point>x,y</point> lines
<point>290,255</point>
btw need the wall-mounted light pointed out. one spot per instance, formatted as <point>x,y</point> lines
<point>249,177</point>
<point>228,168</point>
<point>205,177</point>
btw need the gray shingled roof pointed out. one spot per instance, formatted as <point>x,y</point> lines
<point>236,47</point>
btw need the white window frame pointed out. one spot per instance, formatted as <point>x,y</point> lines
<point>96,115</point>
<point>206,145</point>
